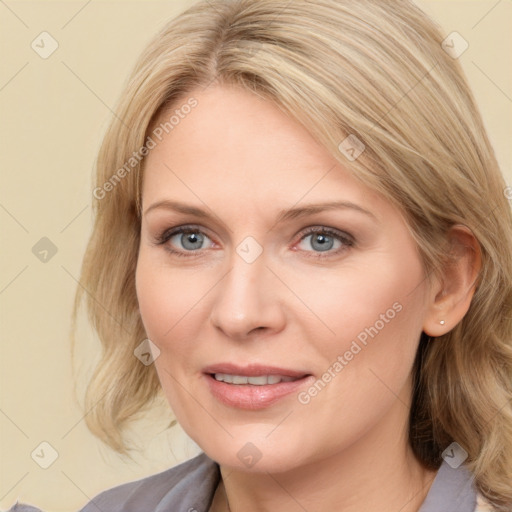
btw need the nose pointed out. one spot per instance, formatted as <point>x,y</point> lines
<point>247,300</point>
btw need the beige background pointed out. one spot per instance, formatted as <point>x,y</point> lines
<point>54,112</point>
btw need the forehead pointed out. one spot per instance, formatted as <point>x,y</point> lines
<point>237,145</point>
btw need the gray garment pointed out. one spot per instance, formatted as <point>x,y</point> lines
<point>190,486</point>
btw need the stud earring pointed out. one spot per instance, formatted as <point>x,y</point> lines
<point>441,322</point>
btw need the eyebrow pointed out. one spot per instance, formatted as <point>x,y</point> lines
<point>283,215</point>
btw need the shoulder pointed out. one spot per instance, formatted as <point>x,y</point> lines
<point>23,507</point>
<point>452,488</point>
<point>188,486</point>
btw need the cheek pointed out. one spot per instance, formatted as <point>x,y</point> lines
<point>167,297</point>
<point>364,294</point>
<point>375,312</point>
<point>380,324</point>
<point>173,308</point>
<point>166,300</point>
<point>154,299</point>
<point>371,315</point>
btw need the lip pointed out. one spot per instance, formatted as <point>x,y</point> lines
<point>250,396</point>
<point>252,370</point>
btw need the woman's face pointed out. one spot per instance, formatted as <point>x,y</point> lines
<point>290,272</point>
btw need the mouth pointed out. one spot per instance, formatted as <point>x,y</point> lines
<point>262,380</point>
<point>253,387</point>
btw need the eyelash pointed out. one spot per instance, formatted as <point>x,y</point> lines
<point>347,240</point>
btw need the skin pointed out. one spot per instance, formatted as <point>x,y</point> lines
<point>243,160</point>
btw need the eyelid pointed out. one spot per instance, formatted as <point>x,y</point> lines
<point>344,235</point>
<point>166,233</point>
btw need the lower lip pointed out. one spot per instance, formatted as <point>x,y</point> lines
<point>247,396</point>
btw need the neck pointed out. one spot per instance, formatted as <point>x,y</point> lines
<point>378,473</point>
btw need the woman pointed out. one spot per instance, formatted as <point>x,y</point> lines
<point>302,237</point>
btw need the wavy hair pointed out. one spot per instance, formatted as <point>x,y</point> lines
<point>371,69</point>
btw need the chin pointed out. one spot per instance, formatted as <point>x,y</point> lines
<point>258,456</point>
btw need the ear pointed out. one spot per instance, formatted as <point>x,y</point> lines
<point>450,295</point>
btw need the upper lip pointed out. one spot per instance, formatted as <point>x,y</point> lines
<point>252,370</point>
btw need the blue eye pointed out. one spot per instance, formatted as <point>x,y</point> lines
<point>187,240</point>
<point>325,239</point>
<point>191,240</point>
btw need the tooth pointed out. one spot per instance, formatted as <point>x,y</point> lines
<point>258,381</point>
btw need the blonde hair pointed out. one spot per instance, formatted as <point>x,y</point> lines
<point>371,69</point>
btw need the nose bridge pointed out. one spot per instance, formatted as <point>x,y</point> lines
<point>245,298</point>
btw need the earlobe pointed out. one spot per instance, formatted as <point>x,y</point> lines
<point>451,296</point>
